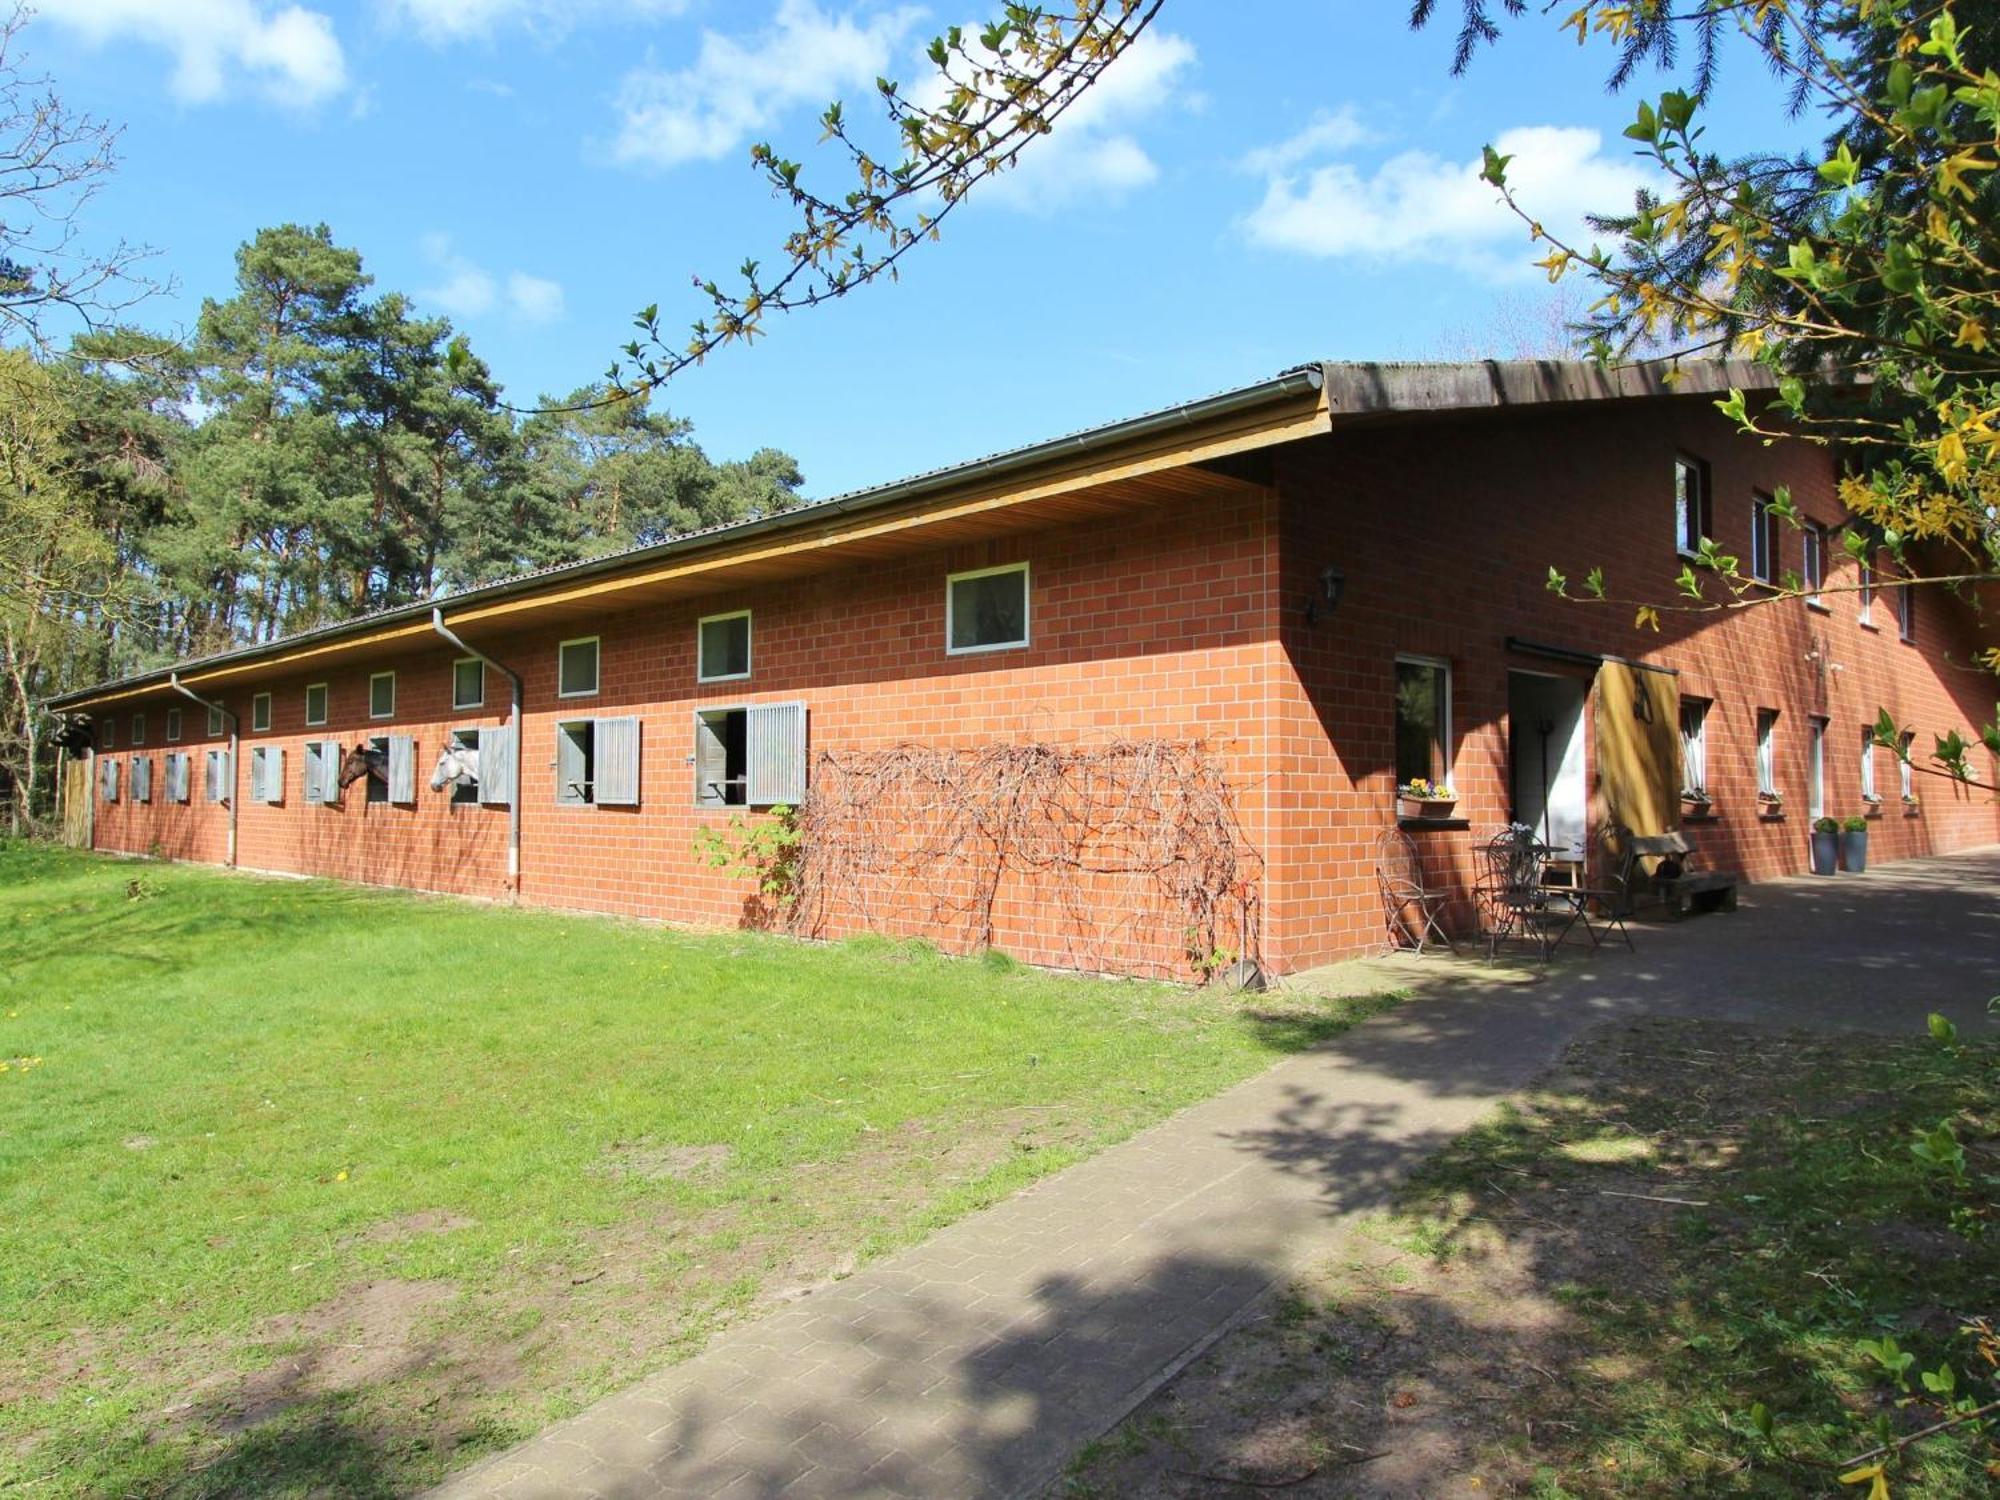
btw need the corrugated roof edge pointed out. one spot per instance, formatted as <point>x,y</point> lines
<point>1352,389</point>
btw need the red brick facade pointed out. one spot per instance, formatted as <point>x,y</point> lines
<point>1182,620</point>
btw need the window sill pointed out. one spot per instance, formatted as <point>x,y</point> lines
<point>1868,625</point>
<point>1818,606</point>
<point>1445,823</point>
<point>1703,814</point>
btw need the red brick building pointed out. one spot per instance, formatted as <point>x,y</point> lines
<point>1328,578</point>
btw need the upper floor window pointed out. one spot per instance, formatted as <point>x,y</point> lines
<point>576,668</point>
<point>1906,612</point>
<point>214,719</point>
<point>173,724</point>
<point>1865,579</point>
<point>468,683</point>
<point>986,609</point>
<point>1763,539</point>
<point>315,704</point>
<point>1423,720</point>
<point>260,711</point>
<point>382,695</point>
<point>722,647</point>
<point>1692,521</point>
<point>139,729</point>
<point>1694,749</point>
<point>1812,561</point>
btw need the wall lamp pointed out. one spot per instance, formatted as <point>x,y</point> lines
<point>1332,584</point>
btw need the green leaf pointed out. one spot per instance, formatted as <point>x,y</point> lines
<point>1646,127</point>
<point>1494,167</point>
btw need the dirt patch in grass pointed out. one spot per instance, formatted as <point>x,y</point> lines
<point>409,1226</point>
<point>1592,1296</point>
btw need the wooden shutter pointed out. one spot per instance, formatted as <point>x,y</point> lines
<point>618,762</point>
<point>775,753</point>
<point>496,765</point>
<point>274,773</point>
<point>109,780</point>
<point>402,768</point>
<point>315,782</point>
<point>711,762</point>
<point>177,778</point>
<point>142,778</point>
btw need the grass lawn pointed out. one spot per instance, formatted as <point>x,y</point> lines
<point>315,1189</point>
<point>1669,1271</point>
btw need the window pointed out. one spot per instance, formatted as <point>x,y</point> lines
<point>173,725</point>
<point>1816,768</point>
<point>1868,792</point>
<point>576,762</point>
<point>104,740</point>
<point>216,776</point>
<point>722,647</point>
<point>107,773</point>
<point>1865,578</point>
<point>323,759</point>
<point>1812,561</point>
<point>1763,539</point>
<point>1909,771</point>
<point>267,773</point>
<point>466,791</point>
<point>214,719</point>
<point>138,729</point>
<point>1692,522</point>
<point>576,668</point>
<point>1694,749</point>
<point>142,778</point>
<point>177,777</point>
<point>753,756</point>
<point>382,695</point>
<point>315,705</point>
<point>986,610</point>
<point>1906,612</point>
<point>1767,753</point>
<point>1423,720</point>
<point>377,780</point>
<point>597,761</point>
<point>468,683</point>
<point>260,711</point>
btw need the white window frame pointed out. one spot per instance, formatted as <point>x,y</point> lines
<point>1865,579</point>
<point>1695,787</point>
<point>749,645</point>
<point>1906,614</point>
<point>1816,726</point>
<point>1908,769</point>
<point>1027,605</point>
<point>325,704</point>
<point>1696,502</point>
<point>597,665</point>
<point>373,678</point>
<point>215,720</point>
<point>260,714</point>
<point>1812,562</point>
<point>1763,538</point>
<point>173,726</point>
<point>468,661</point>
<point>1868,791</point>
<point>1767,752</point>
<point>1415,660</point>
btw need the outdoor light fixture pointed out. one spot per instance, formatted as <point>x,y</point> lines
<point>1332,584</point>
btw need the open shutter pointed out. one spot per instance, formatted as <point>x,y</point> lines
<point>496,765</point>
<point>618,762</point>
<point>316,777</point>
<point>108,779</point>
<point>177,778</point>
<point>775,754</point>
<point>142,778</point>
<point>711,762</point>
<point>274,773</point>
<point>402,768</point>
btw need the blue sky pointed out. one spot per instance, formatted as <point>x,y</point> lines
<point>1237,200</point>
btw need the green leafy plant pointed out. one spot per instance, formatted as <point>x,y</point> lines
<point>1854,825</point>
<point>765,849</point>
<point>1826,825</point>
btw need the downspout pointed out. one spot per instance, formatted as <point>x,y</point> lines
<point>174,682</point>
<point>513,723</point>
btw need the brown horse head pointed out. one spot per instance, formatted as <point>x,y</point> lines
<point>362,761</point>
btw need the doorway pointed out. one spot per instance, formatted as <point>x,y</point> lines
<point>1550,788</point>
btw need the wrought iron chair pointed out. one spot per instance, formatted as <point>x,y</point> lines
<point>1409,905</point>
<point>1515,901</point>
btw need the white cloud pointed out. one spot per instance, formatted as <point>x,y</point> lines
<point>290,53</point>
<point>1329,130</point>
<point>467,289</point>
<point>1417,205</point>
<point>443,21</point>
<point>738,86</point>
<point>1093,150</point>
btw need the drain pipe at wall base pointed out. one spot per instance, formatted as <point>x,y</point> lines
<point>513,723</point>
<point>174,682</point>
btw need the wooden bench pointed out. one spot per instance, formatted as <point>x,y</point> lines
<point>1670,881</point>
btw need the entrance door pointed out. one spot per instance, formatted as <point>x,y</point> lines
<point>1551,792</point>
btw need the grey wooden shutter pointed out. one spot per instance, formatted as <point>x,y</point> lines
<point>217,775</point>
<point>107,780</point>
<point>775,754</point>
<point>315,781</point>
<point>177,778</point>
<point>402,768</point>
<point>618,762</point>
<point>570,768</point>
<point>270,787</point>
<point>711,762</point>
<point>142,778</point>
<point>496,765</point>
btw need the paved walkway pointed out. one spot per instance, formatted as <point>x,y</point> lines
<point>974,1364</point>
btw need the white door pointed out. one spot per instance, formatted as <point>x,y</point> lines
<point>1551,791</point>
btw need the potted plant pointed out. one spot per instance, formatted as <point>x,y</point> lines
<point>1770,804</point>
<point>1425,799</point>
<point>1854,844</point>
<point>1825,846</point>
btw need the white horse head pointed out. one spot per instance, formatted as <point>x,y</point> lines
<point>457,765</point>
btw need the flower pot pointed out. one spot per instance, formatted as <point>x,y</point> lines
<point>1425,807</point>
<point>1825,853</point>
<point>1854,851</point>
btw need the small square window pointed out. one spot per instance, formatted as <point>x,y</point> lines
<point>214,719</point>
<point>722,644</point>
<point>468,683</point>
<point>576,668</point>
<point>1423,720</point>
<point>1692,523</point>
<point>260,711</point>
<point>316,704</point>
<point>138,729</point>
<point>462,790</point>
<point>382,695</point>
<point>173,724</point>
<point>986,610</point>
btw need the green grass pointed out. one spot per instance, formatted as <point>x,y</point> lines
<point>317,1189</point>
<point>1818,1229</point>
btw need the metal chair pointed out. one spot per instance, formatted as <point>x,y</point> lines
<point>1410,907</point>
<point>1515,902</point>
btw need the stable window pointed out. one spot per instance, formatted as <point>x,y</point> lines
<point>1767,752</point>
<point>986,610</point>
<point>576,668</point>
<point>1816,768</point>
<point>323,759</point>
<point>1868,792</point>
<point>138,729</point>
<point>597,761</point>
<point>260,711</point>
<point>496,765</point>
<point>142,778</point>
<point>1692,521</point>
<point>1423,720</point>
<point>1906,612</point>
<point>752,756</point>
<point>216,776</point>
<point>177,777</point>
<point>382,695</point>
<point>267,773</point>
<point>468,683</point>
<point>467,790</point>
<point>107,780</point>
<point>1694,749</point>
<point>1812,561</point>
<point>1909,770</point>
<point>1763,539</point>
<point>214,719</point>
<point>173,725</point>
<point>377,776</point>
<point>315,705</point>
<point>722,647</point>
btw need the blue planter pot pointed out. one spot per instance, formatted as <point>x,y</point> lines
<point>1825,853</point>
<point>1854,851</point>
